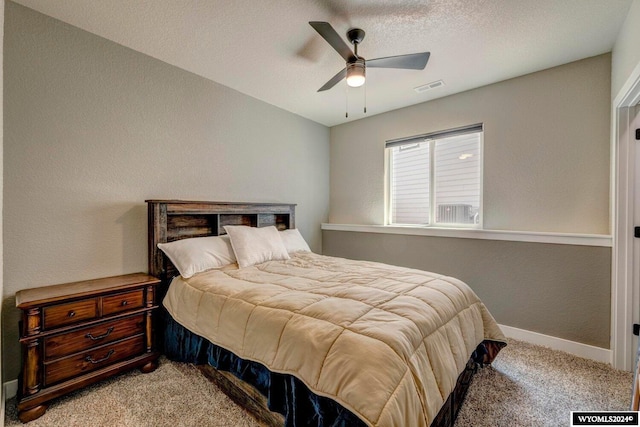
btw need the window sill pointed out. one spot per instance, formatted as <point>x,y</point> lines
<point>474,233</point>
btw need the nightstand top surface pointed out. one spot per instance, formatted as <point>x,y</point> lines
<point>49,294</point>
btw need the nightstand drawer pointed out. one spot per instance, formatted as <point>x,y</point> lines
<point>91,360</point>
<point>93,336</point>
<point>69,313</point>
<point>122,302</point>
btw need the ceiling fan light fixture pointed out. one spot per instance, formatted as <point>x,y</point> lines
<point>356,73</point>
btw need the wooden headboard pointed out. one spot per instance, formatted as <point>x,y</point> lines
<point>171,220</point>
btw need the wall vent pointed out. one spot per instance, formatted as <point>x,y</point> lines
<point>429,86</point>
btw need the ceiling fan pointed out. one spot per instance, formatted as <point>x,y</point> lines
<point>356,66</point>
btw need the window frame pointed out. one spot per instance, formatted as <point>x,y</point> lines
<point>431,138</point>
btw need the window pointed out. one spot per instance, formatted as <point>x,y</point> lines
<point>436,179</point>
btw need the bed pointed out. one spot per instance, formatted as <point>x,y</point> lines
<point>320,340</point>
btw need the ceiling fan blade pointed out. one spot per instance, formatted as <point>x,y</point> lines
<point>329,34</point>
<point>334,80</point>
<point>413,61</point>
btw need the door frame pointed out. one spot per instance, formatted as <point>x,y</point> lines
<point>623,149</point>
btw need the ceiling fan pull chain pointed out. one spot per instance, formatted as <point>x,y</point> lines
<point>346,98</point>
<point>365,97</point>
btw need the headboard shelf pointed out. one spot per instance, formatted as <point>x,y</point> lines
<point>171,220</point>
<point>250,220</point>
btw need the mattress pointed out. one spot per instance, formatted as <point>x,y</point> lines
<point>385,342</point>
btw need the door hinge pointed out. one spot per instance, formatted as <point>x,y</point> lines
<point>636,329</point>
<point>636,231</point>
<point>638,134</point>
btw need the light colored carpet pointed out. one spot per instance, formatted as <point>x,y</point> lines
<point>529,385</point>
<point>526,386</point>
<point>173,395</point>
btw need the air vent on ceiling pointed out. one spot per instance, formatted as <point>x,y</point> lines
<point>429,86</point>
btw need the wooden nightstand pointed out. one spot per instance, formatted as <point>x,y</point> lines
<point>75,334</point>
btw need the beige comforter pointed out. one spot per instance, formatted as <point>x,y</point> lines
<point>387,343</point>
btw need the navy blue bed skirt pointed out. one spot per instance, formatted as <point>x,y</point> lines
<point>285,394</point>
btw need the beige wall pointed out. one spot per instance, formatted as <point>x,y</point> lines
<point>92,129</point>
<point>546,169</point>
<point>626,52</point>
<point>546,150</point>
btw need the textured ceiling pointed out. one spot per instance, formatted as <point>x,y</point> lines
<point>266,49</point>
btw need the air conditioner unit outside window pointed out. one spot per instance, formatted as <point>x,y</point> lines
<point>455,214</point>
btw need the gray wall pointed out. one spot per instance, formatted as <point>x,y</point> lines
<point>92,129</point>
<point>557,290</point>
<point>546,169</point>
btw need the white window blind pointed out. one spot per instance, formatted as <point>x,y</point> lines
<point>410,184</point>
<point>435,179</point>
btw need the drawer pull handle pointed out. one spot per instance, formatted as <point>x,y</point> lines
<point>99,337</point>
<point>71,313</point>
<point>123,303</point>
<point>90,359</point>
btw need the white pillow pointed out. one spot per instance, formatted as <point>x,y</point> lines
<point>254,245</point>
<point>191,256</point>
<point>293,241</point>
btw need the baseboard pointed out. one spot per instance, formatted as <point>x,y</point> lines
<point>10,389</point>
<point>578,349</point>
